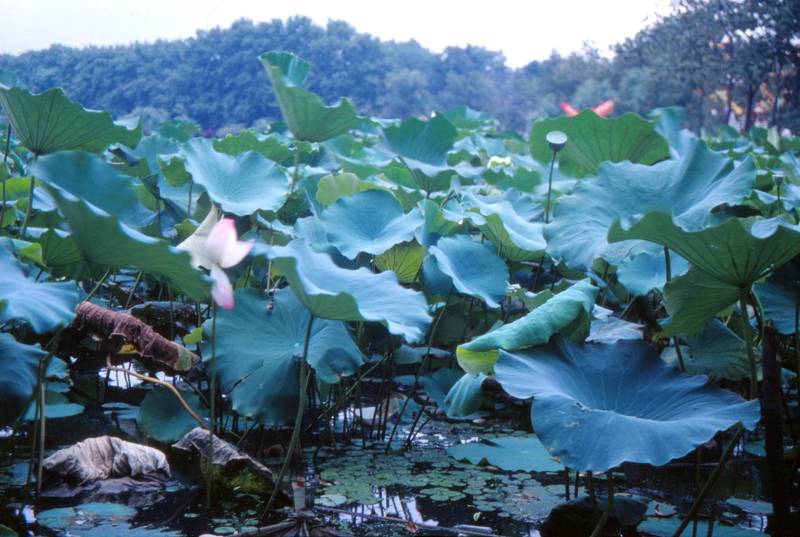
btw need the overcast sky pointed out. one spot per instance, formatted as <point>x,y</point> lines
<point>523,30</point>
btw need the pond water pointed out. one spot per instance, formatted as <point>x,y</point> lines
<point>359,488</point>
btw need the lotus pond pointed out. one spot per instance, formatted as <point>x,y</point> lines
<point>352,325</point>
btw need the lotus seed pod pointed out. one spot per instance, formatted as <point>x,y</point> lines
<point>556,140</point>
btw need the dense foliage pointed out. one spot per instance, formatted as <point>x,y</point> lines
<point>212,79</point>
<point>624,273</point>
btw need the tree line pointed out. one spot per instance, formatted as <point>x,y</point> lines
<point>727,61</point>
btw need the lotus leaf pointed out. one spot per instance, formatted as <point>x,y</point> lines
<point>559,313</point>
<point>331,292</point>
<point>738,252</point>
<point>473,267</point>
<point>162,418</point>
<point>258,352</point>
<point>44,306</point>
<point>465,396</point>
<point>512,453</point>
<point>305,114</point>
<point>241,185</point>
<point>372,222</point>
<point>688,188</point>
<point>48,122</point>
<point>715,351</point>
<point>19,364</point>
<point>587,397</point>
<point>593,140</point>
<point>103,240</point>
<point>404,259</point>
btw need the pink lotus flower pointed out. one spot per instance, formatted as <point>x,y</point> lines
<point>224,250</point>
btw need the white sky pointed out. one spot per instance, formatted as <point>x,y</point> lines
<point>523,30</point>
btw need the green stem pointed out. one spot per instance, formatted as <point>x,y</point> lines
<point>744,293</point>
<point>416,376</point>
<point>675,340</point>
<point>712,479</point>
<point>305,376</point>
<point>133,290</point>
<point>5,160</point>
<point>212,398</point>
<point>28,209</point>
<point>97,287</point>
<point>549,189</point>
<point>296,171</point>
<point>42,428</point>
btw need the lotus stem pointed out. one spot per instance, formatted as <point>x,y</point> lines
<point>5,160</point>
<point>712,479</point>
<point>422,366</point>
<point>747,334</point>
<point>675,340</point>
<point>601,524</point>
<point>42,427</point>
<point>28,209</point>
<point>97,287</point>
<point>212,397</point>
<point>304,377</point>
<point>163,384</point>
<point>133,290</point>
<point>549,188</point>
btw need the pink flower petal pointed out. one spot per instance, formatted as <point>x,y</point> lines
<point>235,253</point>
<point>222,236</point>
<point>221,289</point>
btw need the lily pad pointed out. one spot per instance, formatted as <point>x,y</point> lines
<point>587,397</point>
<point>513,453</point>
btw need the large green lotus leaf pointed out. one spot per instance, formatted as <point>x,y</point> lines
<point>465,396</point>
<point>437,222</point>
<point>331,292</point>
<point>592,140</point>
<point>358,158</point>
<point>738,252</point>
<point>596,406</point>
<point>422,147</point>
<point>304,113</point>
<point>559,313</point>
<point>57,406</point>
<point>693,299</point>
<point>438,383</point>
<point>19,365</point>
<point>332,187</point>
<point>104,241</point>
<point>93,180</point>
<point>163,418</point>
<point>404,259</point>
<point>372,222</point>
<point>715,351</point>
<point>258,352</point>
<point>268,146</point>
<point>646,271</point>
<point>780,295</point>
<point>688,188</point>
<point>474,268</point>
<point>44,306</point>
<point>780,305</point>
<point>515,237</point>
<point>424,142</point>
<point>523,453</point>
<point>50,122</point>
<point>242,184</point>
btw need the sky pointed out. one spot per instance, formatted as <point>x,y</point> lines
<point>524,30</point>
